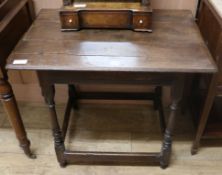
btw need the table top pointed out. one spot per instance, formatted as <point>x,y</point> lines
<point>174,46</point>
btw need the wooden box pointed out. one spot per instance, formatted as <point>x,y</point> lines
<point>106,15</point>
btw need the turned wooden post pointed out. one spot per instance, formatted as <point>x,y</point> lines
<point>11,108</point>
<point>49,94</point>
<point>176,93</point>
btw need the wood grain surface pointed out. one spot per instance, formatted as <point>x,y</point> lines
<point>174,46</point>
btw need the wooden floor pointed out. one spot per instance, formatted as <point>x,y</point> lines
<point>103,128</point>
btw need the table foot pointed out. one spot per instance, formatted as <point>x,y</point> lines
<point>166,150</point>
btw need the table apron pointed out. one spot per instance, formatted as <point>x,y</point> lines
<point>73,77</point>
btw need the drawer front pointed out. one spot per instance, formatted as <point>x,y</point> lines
<point>142,21</point>
<point>105,19</point>
<point>69,21</point>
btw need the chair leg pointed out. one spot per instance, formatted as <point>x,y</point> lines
<point>205,113</point>
<point>10,105</point>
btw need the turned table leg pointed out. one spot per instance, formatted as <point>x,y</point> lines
<point>10,105</point>
<point>176,93</point>
<point>49,94</point>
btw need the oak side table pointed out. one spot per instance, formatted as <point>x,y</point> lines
<point>175,49</point>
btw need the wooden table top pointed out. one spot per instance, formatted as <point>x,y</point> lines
<point>174,46</point>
